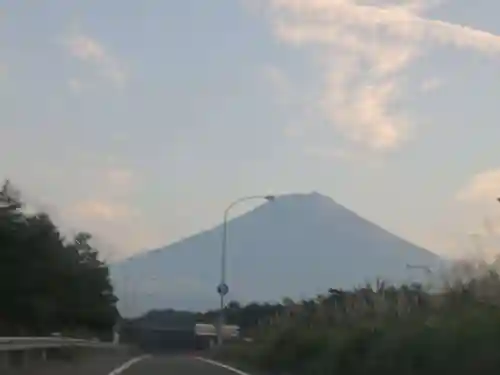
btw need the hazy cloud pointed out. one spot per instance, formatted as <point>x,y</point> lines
<point>483,187</point>
<point>75,85</point>
<point>101,210</point>
<point>431,84</point>
<point>111,196</point>
<point>3,70</point>
<point>91,51</point>
<point>358,156</point>
<point>120,177</point>
<point>278,81</point>
<point>480,212</point>
<point>366,46</point>
<point>106,204</point>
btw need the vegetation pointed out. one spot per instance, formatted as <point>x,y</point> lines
<point>451,328</point>
<point>247,317</point>
<point>382,329</point>
<point>48,283</point>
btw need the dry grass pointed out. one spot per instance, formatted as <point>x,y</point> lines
<point>394,330</point>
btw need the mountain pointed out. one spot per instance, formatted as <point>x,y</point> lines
<point>298,245</point>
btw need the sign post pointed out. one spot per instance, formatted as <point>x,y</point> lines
<point>222,289</point>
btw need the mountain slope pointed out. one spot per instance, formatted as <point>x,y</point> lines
<point>297,246</point>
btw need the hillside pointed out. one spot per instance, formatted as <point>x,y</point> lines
<point>296,246</point>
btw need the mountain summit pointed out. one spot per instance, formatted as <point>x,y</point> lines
<point>298,245</point>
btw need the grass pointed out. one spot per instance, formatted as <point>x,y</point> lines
<point>384,329</point>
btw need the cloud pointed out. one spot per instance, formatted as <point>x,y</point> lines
<point>365,49</point>
<point>483,187</point>
<point>120,177</point>
<point>431,84</point>
<point>117,183</point>
<point>3,70</point>
<point>357,156</point>
<point>479,212</point>
<point>75,85</point>
<point>101,210</point>
<point>109,196</point>
<point>279,82</point>
<point>91,51</point>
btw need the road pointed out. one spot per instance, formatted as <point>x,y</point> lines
<point>126,365</point>
<point>174,365</point>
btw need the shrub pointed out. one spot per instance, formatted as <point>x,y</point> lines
<point>386,329</point>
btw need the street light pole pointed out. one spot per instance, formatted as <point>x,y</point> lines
<point>223,289</point>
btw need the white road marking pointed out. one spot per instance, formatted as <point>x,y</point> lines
<point>218,364</point>
<point>128,364</point>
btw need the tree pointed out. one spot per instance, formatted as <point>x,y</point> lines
<point>46,282</point>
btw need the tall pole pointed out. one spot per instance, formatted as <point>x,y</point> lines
<point>223,277</point>
<point>223,289</point>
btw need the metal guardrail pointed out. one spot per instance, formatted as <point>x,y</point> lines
<point>29,351</point>
<point>27,343</point>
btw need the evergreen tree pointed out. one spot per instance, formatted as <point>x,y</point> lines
<point>47,283</point>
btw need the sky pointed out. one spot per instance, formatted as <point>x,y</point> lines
<point>141,121</point>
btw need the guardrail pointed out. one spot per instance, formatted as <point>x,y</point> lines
<point>17,351</point>
<point>26,343</point>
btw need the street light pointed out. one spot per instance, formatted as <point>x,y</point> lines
<point>223,289</point>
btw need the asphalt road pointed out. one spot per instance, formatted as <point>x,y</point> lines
<point>176,365</point>
<point>122,364</point>
<point>102,364</point>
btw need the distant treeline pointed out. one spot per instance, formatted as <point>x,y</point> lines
<point>248,317</point>
<point>49,283</point>
<point>144,330</point>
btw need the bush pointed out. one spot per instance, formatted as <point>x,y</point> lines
<point>385,329</point>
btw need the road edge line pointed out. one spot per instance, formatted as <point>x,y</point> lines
<point>129,364</point>
<point>222,365</point>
